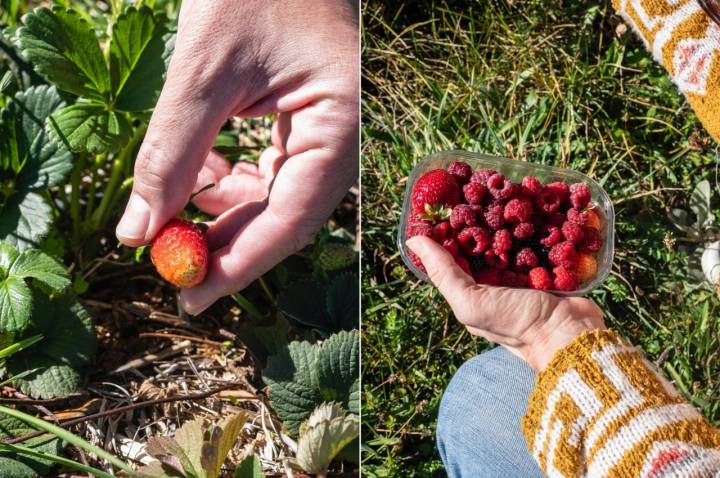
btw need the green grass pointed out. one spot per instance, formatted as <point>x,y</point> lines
<point>541,82</point>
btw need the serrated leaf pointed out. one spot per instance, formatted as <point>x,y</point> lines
<point>62,46</point>
<point>24,220</point>
<point>137,59</point>
<point>190,437</point>
<point>292,377</point>
<point>162,447</point>
<point>45,163</point>
<point>299,301</point>
<point>38,265</point>
<point>222,437</point>
<point>90,127</point>
<point>15,305</point>
<point>68,345</point>
<point>342,301</point>
<point>265,340</point>
<point>155,469</point>
<point>13,465</point>
<point>339,370</point>
<point>250,467</point>
<point>700,203</point>
<point>323,440</point>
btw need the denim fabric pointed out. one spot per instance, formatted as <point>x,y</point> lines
<point>478,431</point>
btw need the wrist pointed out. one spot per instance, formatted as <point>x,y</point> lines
<point>564,326</point>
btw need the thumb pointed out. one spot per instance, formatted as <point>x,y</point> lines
<point>180,135</point>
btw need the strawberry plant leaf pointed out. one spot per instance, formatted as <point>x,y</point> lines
<point>44,162</point>
<point>190,437</point>
<point>292,377</point>
<point>161,447</point>
<point>63,47</point>
<point>90,127</point>
<point>342,301</point>
<point>250,467</point>
<point>68,346</point>
<point>24,220</point>
<point>338,370</point>
<point>14,465</point>
<point>299,301</point>
<point>15,304</point>
<point>323,436</point>
<point>221,439</point>
<point>138,54</point>
<point>38,265</point>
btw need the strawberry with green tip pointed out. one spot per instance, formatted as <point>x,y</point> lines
<point>434,193</point>
<point>180,253</point>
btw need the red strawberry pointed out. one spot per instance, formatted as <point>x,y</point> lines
<point>180,253</point>
<point>435,189</point>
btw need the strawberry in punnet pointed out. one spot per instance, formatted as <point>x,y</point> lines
<point>434,191</point>
<point>180,253</point>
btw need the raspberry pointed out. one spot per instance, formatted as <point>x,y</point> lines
<point>565,279</point>
<point>500,187</point>
<point>488,277</point>
<point>474,240</point>
<point>514,279</point>
<point>462,215</point>
<point>523,231</point>
<point>572,232</point>
<point>474,192</point>
<point>561,190</point>
<point>461,171</point>
<point>482,175</point>
<point>441,231</point>
<point>576,216</point>
<point>464,264</point>
<point>497,259</point>
<point>593,219</point>
<point>556,219</point>
<point>539,278</point>
<point>526,257</point>
<point>531,186</point>
<point>417,227</point>
<point>518,210</point>
<point>586,267</point>
<point>563,254</point>
<point>502,240</point>
<point>494,217</point>
<point>547,202</point>
<point>592,240</point>
<point>451,246</point>
<point>551,235</point>
<point>580,195</point>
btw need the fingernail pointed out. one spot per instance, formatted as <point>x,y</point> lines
<point>414,244</point>
<point>134,223</point>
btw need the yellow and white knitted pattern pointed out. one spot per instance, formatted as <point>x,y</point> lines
<point>686,41</point>
<point>600,409</point>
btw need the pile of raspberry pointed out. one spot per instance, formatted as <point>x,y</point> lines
<point>541,236</point>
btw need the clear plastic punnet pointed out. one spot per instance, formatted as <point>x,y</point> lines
<point>515,171</point>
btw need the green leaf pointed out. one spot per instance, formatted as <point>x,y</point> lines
<point>69,344</point>
<point>15,305</point>
<point>13,465</point>
<point>250,467</point>
<point>38,265</point>
<point>64,49</point>
<point>342,301</point>
<point>324,435</point>
<point>292,377</point>
<point>24,220</point>
<point>137,59</point>
<point>161,447</point>
<point>221,439</point>
<point>265,340</point>
<point>339,369</point>
<point>45,163</point>
<point>700,204</point>
<point>190,437</point>
<point>90,127</point>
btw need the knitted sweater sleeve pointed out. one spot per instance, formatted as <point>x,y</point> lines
<point>686,40</point>
<point>600,409</point>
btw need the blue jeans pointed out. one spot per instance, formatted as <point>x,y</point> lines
<point>478,431</point>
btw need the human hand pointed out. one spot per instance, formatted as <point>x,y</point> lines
<point>292,58</point>
<point>532,324</point>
